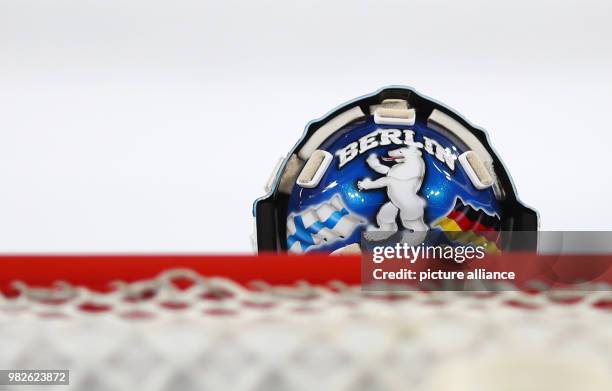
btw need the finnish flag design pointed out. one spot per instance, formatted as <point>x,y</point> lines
<point>321,224</point>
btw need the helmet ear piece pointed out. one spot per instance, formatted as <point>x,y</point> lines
<point>313,170</point>
<point>388,162</point>
<point>476,170</point>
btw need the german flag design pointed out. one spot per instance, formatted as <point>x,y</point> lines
<point>469,226</point>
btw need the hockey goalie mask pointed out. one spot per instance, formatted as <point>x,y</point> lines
<point>387,163</point>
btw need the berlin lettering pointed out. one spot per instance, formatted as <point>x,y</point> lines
<point>381,137</point>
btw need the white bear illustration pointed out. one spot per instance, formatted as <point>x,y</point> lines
<point>403,181</point>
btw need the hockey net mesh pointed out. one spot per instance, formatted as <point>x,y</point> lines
<point>184,331</point>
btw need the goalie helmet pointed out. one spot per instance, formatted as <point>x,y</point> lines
<point>388,163</point>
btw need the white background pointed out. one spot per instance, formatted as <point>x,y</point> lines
<point>152,126</point>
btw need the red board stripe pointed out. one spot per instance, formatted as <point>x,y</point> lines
<point>97,271</point>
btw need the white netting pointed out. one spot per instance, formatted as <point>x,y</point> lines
<point>218,335</point>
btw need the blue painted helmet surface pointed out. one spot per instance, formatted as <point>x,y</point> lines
<point>390,162</point>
